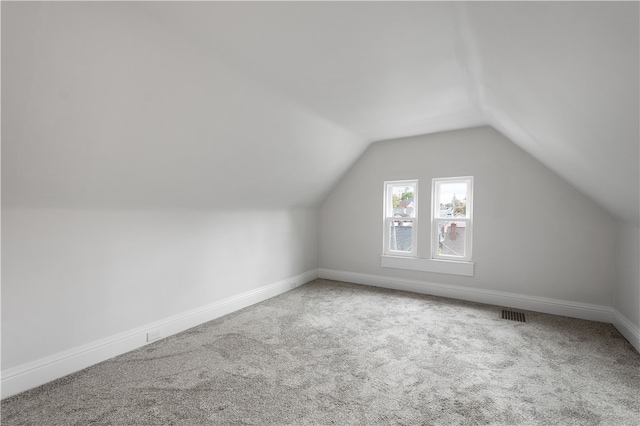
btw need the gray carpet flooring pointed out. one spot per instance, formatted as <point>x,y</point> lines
<point>331,353</point>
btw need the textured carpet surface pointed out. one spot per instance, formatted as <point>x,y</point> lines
<point>335,353</point>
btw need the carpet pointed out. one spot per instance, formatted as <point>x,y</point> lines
<point>332,353</point>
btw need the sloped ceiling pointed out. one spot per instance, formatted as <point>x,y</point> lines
<point>198,105</point>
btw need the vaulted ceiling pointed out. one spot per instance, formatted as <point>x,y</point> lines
<point>243,104</point>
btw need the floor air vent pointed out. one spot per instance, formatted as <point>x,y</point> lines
<point>513,316</point>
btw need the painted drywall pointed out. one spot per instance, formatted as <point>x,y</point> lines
<point>109,106</point>
<point>103,107</point>
<point>627,290</point>
<point>533,233</point>
<point>151,104</point>
<point>72,277</point>
<point>561,80</point>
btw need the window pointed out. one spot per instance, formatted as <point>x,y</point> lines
<point>451,226</point>
<point>400,217</point>
<point>451,218</point>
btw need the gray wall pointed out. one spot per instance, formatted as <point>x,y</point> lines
<point>72,277</point>
<point>533,233</point>
<point>627,291</point>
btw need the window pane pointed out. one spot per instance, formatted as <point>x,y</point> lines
<point>402,200</point>
<point>400,235</point>
<point>451,237</point>
<point>453,199</point>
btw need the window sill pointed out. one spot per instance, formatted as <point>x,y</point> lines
<point>428,265</point>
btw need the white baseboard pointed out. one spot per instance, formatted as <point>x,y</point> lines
<point>491,297</point>
<point>628,329</point>
<point>29,375</point>
<point>509,300</point>
<point>26,376</point>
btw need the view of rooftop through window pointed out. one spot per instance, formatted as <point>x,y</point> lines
<point>452,218</point>
<point>402,200</point>
<point>401,209</point>
<point>453,199</point>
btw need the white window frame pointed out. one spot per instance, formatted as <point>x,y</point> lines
<point>435,211</point>
<point>388,218</point>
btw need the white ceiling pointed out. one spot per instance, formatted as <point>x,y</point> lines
<point>243,104</point>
